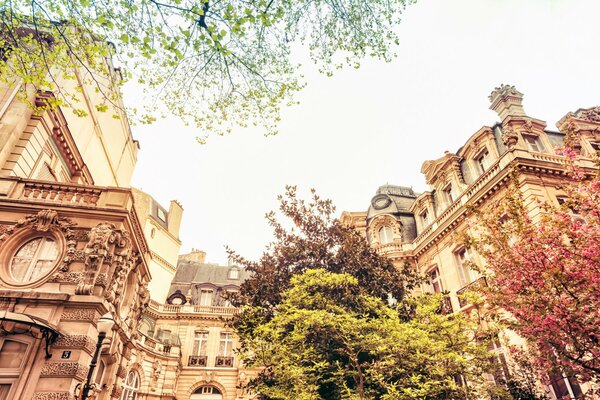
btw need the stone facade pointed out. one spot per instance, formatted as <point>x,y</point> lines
<point>421,229</point>
<point>76,242</point>
<point>186,346</point>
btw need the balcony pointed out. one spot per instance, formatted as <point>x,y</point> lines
<point>446,306</point>
<point>191,309</point>
<point>222,361</point>
<point>197,361</point>
<point>474,286</point>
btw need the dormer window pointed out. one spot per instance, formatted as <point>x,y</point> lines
<point>161,214</point>
<point>234,273</point>
<point>206,297</point>
<point>386,235</point>
<point>534,143</point>
<point>483,160</point>
<point>424,215</point>
<point>449,193</point>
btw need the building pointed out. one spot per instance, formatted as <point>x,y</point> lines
<point>186,349</point>
<point>420,228</point>
<point>76,242</point>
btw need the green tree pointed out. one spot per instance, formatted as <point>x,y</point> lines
<point>212,63</point>
<point>331,340</point>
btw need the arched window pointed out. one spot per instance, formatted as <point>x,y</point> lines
<point>207,393</point>
<point>386,235</point>
<point>131,386</point>
<point>34,259</point>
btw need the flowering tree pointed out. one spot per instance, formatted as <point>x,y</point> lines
<point>546,271</point>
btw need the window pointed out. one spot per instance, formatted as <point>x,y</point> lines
<point>424,215</point>
<point>161,214</point>
<point>564,200</point>
<point>34,259</point>
<point>226,344</point>
<point>13,354</point>
<point>595,146</point>
<point>564,387</point>
<point>449,193</point>
<point>483,160</point>
<point>200,343</point>
<point>234,273</point>
<point>206,393</point>
<point>465,272</point>
<point>100,373</point>
<point>500,373</point>
<point>130,386</point>
<point>206,297</point>
<point>534,143</point>
<point>435,280</point>
<point>386,235</point>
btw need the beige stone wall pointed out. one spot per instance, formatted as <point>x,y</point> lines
<point>99,268</point>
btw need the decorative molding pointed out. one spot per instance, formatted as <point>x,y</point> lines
<point>509,136</point>
<point>67,277</point>
<point>76,342</point>
<point>116,392</point>
<point>121,372</point>
<point>52,396</point>
<point>589,114</point>
<point>68,369</point>
<point>79,314</point>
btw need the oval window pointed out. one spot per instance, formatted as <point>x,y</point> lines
<point>34,259</point>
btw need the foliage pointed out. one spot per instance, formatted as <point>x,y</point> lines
<point>545,272</point>
<point>316,240</point>
<point>329,339</point>
<point>212,63</point>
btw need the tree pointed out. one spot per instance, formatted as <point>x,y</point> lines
<point>329,318</point>
<point>546,272</point>
<point>212,63</point>
<point>331,340</point>
<point>316,240</point>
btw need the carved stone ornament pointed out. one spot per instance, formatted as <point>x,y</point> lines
<point>208,376</point>
<point>589,114</point>
<point>61,369</point>
<point>75,342</point>
<point>503,90</point>
<point>52,396</point>
<point>509,137</point>
<point>79,314</point>
<point>106,244</point>
<point>528,126</point>
<point>43,221</point>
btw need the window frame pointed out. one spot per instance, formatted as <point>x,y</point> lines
<point>433,281</point>
<point>226,338</point>
<point>388,234</point>
<point>466,274</point>
<point>15,242</point>
<point>128,389</point>
<point>532,140</point>
<point>199,341</point>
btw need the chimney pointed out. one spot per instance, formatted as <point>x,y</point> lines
<point>507,101</point>
<point>174,220</point>
<point>195,255</point>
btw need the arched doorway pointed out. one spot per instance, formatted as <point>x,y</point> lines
<point>207,393</point>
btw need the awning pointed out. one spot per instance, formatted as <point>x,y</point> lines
<point>16,323</point>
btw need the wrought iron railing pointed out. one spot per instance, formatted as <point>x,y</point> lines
<point>473,286</point>
<point>223,361</point>
<point>197,361</point>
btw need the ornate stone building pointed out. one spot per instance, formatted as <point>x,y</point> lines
<point>420,228</point>
<point>73,247</point>
<point>186,349</point>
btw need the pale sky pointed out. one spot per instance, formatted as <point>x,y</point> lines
<point>364,128</point>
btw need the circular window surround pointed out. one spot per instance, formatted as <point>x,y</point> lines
<point>14,243</point>
<point>129,287</point>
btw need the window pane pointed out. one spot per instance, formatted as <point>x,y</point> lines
<point>12,353</point>
<point>4,389</point>
<point>34,259</point>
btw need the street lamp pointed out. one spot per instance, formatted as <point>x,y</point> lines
<point>105,324</point>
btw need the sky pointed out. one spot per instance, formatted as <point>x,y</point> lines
<point>363,128</point>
